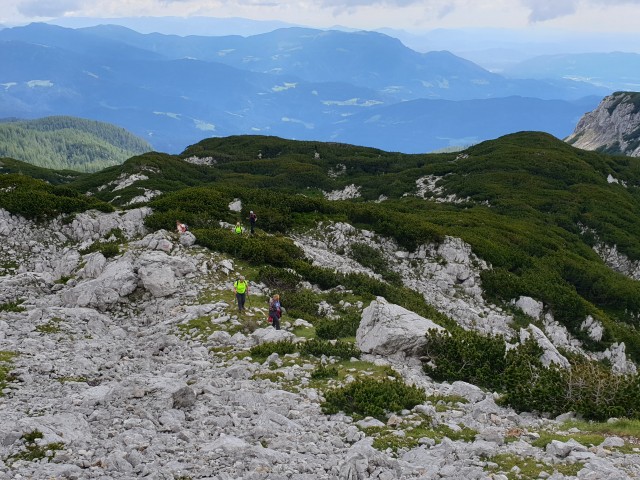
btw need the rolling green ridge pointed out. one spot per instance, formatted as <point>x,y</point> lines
<point>61,142</point>
<point>54,177</point>
<point>529,204</point>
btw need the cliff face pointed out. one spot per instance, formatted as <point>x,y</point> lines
<point>613,127</point>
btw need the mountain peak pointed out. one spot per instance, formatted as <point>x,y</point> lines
<point>613,127</point>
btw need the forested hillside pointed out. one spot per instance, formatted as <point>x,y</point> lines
<point>62,143</point>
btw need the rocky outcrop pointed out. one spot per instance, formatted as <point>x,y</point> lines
<point>613,127</point>
<point>387,329</point>
<point>446,273</point>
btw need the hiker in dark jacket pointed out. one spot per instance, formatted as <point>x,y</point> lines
<point>275,311</point>
<point>252,221</point>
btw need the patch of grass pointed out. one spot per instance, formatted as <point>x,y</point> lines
<point>79,379</point>
<point>32,451</point>
<point>8,267</point>
<point>586,439</point>
<point>449,399</point>
<point>261,352</point>
<point>446,402</point>
<point>12,306</point>
<point>275,377</point>
<point>52,326</point>
<point>305,332</point>
<point>516,467</point>
<point>6,359</point>
<point>407,435</point>
<point>624,428</point>
<point>200,327</point>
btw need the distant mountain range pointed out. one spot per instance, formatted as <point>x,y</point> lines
<point>615,70</point>
<point>353,87</point>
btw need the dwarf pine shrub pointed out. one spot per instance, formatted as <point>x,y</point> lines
<point>278,279</point>
<point>371,397</point>
<point>318,348</point>
<point>345,326</point>
<point>323,372</point>
<point>314,347</point>
<point>588,388</point>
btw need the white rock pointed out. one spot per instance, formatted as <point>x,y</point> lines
<point>387,329</point>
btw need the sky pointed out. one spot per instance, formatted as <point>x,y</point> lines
<point>618,16</point>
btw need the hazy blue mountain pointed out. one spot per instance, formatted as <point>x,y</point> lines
<point>427,125</point>
<point>295,83</point>
<point>183,26</point>
<point>367,59</point>
<point>614,70</point>
<point>499,48</point>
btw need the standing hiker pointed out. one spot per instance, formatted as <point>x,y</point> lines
<point>252,221</point>
<point>241,290</point>
<point>275,311</point>
<point>237,229</point>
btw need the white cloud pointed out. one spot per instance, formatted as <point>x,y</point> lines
<point>39,83</point>
<point>412,15</point>
<point>52,8</point>
<point>542,10</point>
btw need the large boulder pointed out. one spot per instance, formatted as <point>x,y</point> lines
<point>160,273</point>
<point>386,329</point>
<point>92,225</point>
<point>117,280</point>
<point>530,306</point>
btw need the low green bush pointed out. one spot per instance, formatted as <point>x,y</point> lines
<point>345,326</point>
<point>36,199</point>
<point>588,388</point>
<point>465,355</point>
<point>318,348</point>
<point>370,257</point>
<point>313,347</point>
<point>108,249</point>
<point>322,372</point>
<point>259,250</point>
<point>370,397</point>
<point>278,279</point>
<point>301,303</point>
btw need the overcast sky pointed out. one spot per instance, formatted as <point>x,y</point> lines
<point>412,15</point>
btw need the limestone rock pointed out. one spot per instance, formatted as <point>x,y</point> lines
<point>551,353</point>
<point>387,329</point>
<point>612,125</point>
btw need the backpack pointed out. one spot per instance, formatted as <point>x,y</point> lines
<point>253,217</point>
<point>274,308</point>
<point>186,227</point>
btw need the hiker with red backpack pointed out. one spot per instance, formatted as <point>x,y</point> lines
<point>275,311</point>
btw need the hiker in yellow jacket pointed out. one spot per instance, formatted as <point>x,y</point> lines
<point>241,290</point>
